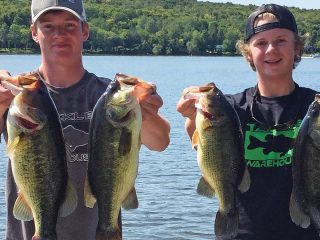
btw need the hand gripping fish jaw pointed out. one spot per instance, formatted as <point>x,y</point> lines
<point>139,87</point>
<point>204,95</point>
<point>16,83</point>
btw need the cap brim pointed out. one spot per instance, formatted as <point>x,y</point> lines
<point>35,18</point>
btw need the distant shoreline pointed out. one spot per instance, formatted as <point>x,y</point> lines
<point>89,53</point>
<point>17,51</point>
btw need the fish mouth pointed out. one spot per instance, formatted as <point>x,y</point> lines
<point>214,117</point>
<point>16,83</point>
<point>208,115</point>
<point>122,120</point>
<point>28,118</point>
<point>200,95</point>
<point>197,92</point>
<point>211,117</point>
<point>138,87</point>
<point>126,117</point>
<point>12,87</point>
<point>26,123</point>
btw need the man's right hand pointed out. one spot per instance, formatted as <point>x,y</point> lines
<point>186,107</point>
<point>6,97</point>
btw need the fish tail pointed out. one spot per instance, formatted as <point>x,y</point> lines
<point>296,212</point>
<point>315,217</point>
<point>226,225</point>
<point>114,234</point>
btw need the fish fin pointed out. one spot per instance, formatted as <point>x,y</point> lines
<point>315,139</point>
<point>125,141</point>
<point>12,146</point>
<point>21,209</point>
<point>131,201</point>
<point>245,182</point>
<point>70,202</point>
<point>195,139</point>
<point>109,234</point>
<point>226,225</point>
<point>315,216</point>
<point>205,189</point>
<point>89,198</point>
<point>68,151</point>
<point>296,213</point>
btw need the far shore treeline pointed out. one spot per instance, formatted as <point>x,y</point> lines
<point>152,27</point>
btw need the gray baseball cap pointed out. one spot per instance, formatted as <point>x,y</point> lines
<point>38,7</point>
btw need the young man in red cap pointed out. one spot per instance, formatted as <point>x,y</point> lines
<point>270,114</point>
<point>60,28</point>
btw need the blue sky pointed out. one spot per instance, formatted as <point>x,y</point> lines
<point>308,4</point>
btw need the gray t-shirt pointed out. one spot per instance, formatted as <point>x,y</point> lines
<point>75,105</point>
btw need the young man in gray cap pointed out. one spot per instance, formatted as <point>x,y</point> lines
<point>270,115</point>
<point>60,28</point>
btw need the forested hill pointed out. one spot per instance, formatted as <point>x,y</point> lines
<point>159,27</point>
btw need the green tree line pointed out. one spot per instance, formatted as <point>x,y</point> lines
<point>154,27</point>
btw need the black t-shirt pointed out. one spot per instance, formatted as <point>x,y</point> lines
<point>270,126</point>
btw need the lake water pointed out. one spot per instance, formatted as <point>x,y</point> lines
<point>166,185</point>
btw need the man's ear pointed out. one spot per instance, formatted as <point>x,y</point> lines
<point>297,51</point>
<point>34,33</point>
<point>85,31</point>
<point>248,57</point>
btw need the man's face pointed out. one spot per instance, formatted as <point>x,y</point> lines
<point>60,35</point>
<point>273,52</point>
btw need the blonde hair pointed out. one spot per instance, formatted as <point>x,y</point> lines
<point>243,47</point>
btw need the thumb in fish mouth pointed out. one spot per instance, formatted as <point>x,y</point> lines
<point>15,90</point>
<point>15,84</point>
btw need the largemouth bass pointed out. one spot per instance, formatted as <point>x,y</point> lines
<point>305,197</point>
<point>114,144</point>
<point>37,152</point>
<point>218,140</point>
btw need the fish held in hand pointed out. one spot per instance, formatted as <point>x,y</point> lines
<point>37,152</point>
<point>218,140</point>
<point>114,145</point>
<point>305,197</point>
